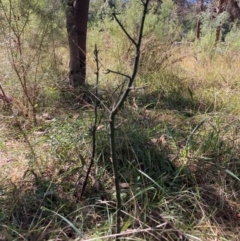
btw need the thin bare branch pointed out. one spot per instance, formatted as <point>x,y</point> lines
<point>117,73</point>
<point>118,106</point>
<point>94,127</point>
<point>123,29</point>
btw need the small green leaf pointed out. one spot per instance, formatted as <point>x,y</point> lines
<point>127,224</point>
<point>123,195</point>
<point>2,144</point>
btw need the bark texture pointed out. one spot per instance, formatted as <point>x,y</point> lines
<point>76,21</point>
<point>199,23</point>
<point>232,7</point>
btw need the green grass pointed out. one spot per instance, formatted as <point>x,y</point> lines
<point>172,159</point>
<point>177,145</point>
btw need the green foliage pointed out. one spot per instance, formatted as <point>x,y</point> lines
<point>95,10</point>
<point>232,38</point>
<point>177,136</point>
<point>101,10</point>
<point>189,20</point>
<point>31,30</point>
<point>163,23</point>
<point>67,139</point>
<point>167,27</point>
<point>211,22</point>
<point>209,27</point>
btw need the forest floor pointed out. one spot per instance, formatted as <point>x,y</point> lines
<point>178,146</point>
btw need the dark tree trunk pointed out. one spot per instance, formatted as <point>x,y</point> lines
<point>231,6</point>
<point>233,9</point>
<point>199,23</point>
<point>220,8</point>
<point>77,18</point>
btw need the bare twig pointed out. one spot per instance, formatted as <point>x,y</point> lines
<point>4,97</point>
<point>118,73</point>
<point>94,128</point>
<point>124,30</point>
<point>118,106</point>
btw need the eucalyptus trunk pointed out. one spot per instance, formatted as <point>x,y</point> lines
<point>76,21</point>
<point>233,9</point>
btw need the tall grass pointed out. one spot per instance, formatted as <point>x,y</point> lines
<point>177,147</point>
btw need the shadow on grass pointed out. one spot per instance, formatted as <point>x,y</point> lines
<point>169,92</point>
<point>24,217</point>
<point>161,186</point>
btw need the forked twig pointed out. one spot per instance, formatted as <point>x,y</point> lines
<point>117,106</point>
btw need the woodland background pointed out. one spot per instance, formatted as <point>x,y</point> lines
<point>177,134</point>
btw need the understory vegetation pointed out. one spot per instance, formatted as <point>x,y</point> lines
<point>177,135</point>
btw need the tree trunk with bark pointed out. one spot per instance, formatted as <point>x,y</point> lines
<point>76,21</point>
<point>199,23</point>
<point>231,6</point>
<point>219,9</point>
<point>233,9</point>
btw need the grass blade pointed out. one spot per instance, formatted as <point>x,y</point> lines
<point>66,220</point>
<point>232,174</point>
